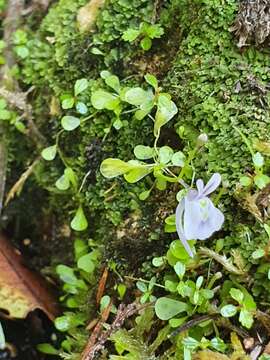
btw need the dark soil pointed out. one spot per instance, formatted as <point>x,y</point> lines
<point>22,337</point>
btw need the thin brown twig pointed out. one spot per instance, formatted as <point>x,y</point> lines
<point>17,187</point>
<point>123,313</point>
<point>96,332</point>
<point>193,322</point>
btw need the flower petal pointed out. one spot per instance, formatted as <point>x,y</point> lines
<point>192,194</point>
<point>179,227</point>
<point>200,186</point>
<point>192,218</point>
<point>213,223</point>
<point>212,184</point>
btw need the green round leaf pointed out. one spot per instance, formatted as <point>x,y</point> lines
<point>245,181</point>
<point>3,103</point>
<point>66,274</point>
<point>144,195</point>
<point>80,86</point>
<point>261,180</point>
<point>130,35</point>
<point>158,261</point>
<point>66,322</point>
<point>5,114</point>
<point>121,289</point>
<point>228,311</point>
<point>153,30</point>
<point>143,152</point>
<point>111,168</point>
<point>258,160</point>
<point>151,80</point>
<point>70,123</point>
<point>246,318</point>
<point>141,286</point>
<point>113,82</point>
<point>62,183</point>
<point>71,176</point>
<point>104,302</point>
<point>67,103</point>
<point>178,159</point>
<point>165,154</point>
<point>79,222</point>
<point>167,308</point>
<point>136,96</point>
<point>86,263</point>
<point>174,323</point>
<point>80,247</point>
<point>104,100</point>
<point>165,112</point>
<point>170,220</point>
<point>22,51</point>
<point>137,174</point>
<point>218,344</point>
<point>257,254</point>
<point>180,269</point>
<point>190,343</point>
<point>117,124</point>
<point>237,295</point>
<point>49,153</point>
<point>146,43</point>
<point>81,108</point>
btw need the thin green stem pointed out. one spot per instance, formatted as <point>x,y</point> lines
<point>59,149</point>
<point>144,281</point>
<point>88,117</point>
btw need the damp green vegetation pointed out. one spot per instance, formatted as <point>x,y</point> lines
<point>136,100</point>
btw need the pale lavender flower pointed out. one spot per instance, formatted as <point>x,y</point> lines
<point>196,216</point>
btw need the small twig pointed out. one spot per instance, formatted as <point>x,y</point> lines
<point>226,263</point>
<point>192,323</point>
<point>17,187</point>
<point>84,180</point>
<point>225,323</point>
<point>96,332</point>
<point>123,313</point>
<point>143,280</point>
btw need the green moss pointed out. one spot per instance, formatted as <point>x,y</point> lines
<point>212,83</point>
<point>215,87</point>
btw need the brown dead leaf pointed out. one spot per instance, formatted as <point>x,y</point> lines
<point>102,285</point>
<point>86,17</point>
<point>21,290</point>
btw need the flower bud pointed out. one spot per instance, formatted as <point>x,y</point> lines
<point>202,139</point>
